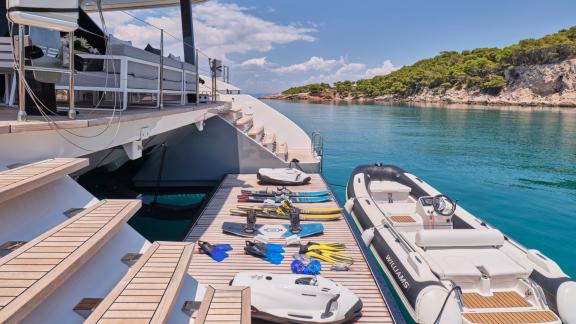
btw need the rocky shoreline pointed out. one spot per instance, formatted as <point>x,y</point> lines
<point>551,85</point>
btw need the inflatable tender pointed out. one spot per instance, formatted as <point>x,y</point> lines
<point>447,265</point>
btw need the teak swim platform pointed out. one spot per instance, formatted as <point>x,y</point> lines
<point>360,279</point>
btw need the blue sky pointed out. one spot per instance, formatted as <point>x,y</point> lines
<point>272,45</point>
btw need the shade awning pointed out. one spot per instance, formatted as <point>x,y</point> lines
<point>111,5</point>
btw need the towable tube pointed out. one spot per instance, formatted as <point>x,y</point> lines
<point>420,296</point>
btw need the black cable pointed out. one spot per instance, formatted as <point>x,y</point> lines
<point>456,288</point>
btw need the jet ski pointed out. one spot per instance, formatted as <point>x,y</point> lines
<point>283,176</point>
<point>292,298</point>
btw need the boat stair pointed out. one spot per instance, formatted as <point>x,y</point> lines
<point>225,305</point>
<point>148,291</point>
<point>246,124</point>
<point>36,271</point>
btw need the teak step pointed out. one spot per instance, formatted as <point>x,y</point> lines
<point>501,299</point>
<point>34,271</point>
<point>23,179</point>
<point>149,290</point>
<point>245,123</point>
<point>512,317</point>
<point>269,141</point>
<point>226,304</point>
<point>282,151</point>
<point>256,132</point>
<point>236,110</point>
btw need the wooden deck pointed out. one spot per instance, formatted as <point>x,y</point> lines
<point>31,273</point>
<point>512,317</point>
<point>208,228</point>
<point>18,181</point>
<point>85,118</point>
<point>225,305</point>
<point>149,290</point>
<point>501,299</point>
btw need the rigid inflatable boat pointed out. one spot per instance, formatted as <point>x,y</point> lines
<point>447,265</point>
<point>291,298</point>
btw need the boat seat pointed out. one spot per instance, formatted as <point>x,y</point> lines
<point>149,290</point>
<point>30,274</point>
<point>469,264</point>
<point>20,180</point>
<point>386,190</point>
<point>468,254</point>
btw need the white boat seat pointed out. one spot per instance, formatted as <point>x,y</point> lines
<point>468,254</point>
<point>468,264</point>
<point>385,190</point>
<point>450,238</point>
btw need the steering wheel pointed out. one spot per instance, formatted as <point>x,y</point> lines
<point>443,205</point>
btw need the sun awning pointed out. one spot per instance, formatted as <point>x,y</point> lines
<point>111,5</point>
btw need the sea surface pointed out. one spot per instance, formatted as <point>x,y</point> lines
<point>513,167</point>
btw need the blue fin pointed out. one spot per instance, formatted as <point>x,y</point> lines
<point>274,258</point>
<point>275,248</point>
<point>218,255</point>
<point>223,247</point>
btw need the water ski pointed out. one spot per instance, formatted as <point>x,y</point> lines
<point>287,192</point>
<point>261,199</point>
<point>272,231</point>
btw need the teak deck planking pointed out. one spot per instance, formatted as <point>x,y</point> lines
<point>500,299</point>
<point>225,305</point>
<point>147,293</point>
<point>512,317</point>
<point>18,181</point>
<point>208,228</point>
<point>32,272</point>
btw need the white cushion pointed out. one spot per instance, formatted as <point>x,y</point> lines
<point>389,186</point>
<point>459,238</point>
<point>461,263</point>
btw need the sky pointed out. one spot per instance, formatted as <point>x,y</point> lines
<point>271,45</point>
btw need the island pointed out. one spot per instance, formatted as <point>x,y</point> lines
<point>533,72</point>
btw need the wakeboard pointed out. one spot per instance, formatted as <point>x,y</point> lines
<point>272,213</point>
<point>272,231</point>
<point>307,211</point>
<point>261,199</point>
<point>276,193</point>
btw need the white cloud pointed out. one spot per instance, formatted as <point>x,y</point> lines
<point>257,62</point>
<point>386,68</point>
<point>221,29</point>
<point>315,63</point>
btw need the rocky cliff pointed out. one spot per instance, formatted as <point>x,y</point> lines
<point>527,85</point>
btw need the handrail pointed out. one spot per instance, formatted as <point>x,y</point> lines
<point>317,147</point>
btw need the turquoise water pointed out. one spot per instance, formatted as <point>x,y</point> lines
<point>515,168</point>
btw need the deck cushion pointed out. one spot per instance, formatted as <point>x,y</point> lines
<point>459,238</point>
